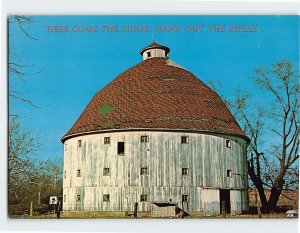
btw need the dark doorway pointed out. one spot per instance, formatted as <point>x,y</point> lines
<point>225,197</point>
<point>121,148</point>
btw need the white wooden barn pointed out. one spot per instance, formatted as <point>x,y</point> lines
<point>155,134</point>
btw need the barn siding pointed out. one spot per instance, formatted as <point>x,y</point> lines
<point>206,157</point>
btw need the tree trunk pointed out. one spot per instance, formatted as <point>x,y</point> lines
<point>272,203</point>
<point>262,196</point>
<point>275,194</point>
<point>260,188</point>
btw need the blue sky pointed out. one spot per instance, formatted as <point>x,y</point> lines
<point>70,67</point>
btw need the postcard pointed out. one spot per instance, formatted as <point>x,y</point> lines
<point>182,117</point>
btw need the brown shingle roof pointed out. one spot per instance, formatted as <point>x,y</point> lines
<point>156,95</point>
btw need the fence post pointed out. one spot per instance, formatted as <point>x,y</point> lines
<point>135,209</point>
<point>258,210</point>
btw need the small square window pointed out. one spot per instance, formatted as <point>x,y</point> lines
<point>144,171</point>
<point>121,148</point>
<point>185,171</point>
<point>144,139</point>
<point>144,198</point>
<point>78,199</point>
<point>229,173</point>
<point>184,139</point>
<point>106,171</point>
<point>79,143</point>
<point>78,173</point>
<point>228,143</point>
<point>185,198</point>
<point>105,198</point>
<point>65,198</point>
<point>106,140</point>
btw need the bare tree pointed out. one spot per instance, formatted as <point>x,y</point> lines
<point>280,82</point>
<point>30,178</point>
<point>15,67</point>
<point>272,125</point>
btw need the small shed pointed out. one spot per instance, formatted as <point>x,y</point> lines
<point>164,209</point>
<point>167,210</point>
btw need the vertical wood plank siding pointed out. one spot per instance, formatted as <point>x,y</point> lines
<point>206,157</point>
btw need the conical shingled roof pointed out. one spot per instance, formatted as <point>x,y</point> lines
<point>156,94</point>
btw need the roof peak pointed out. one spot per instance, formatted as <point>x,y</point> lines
<point>154,50</point>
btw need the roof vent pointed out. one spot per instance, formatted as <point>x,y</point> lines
<point>155,50</point>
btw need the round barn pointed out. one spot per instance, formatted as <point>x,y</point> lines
<point>155,137</point>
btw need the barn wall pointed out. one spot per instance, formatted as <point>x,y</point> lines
<point>206,157</point>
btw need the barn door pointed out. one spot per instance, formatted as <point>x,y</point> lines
<point>225,197</point>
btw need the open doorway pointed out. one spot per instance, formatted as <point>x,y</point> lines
<point>225,197</point>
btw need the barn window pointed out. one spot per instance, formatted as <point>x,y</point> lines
<point>144,139</point>
<point>144,171</point>
<point>144,197</point>
<point>184,171</point>
<point>228,143</point>
<point>229,173</point>
<point>106,140</point>
<point>106,198</point>
<point>149,54</point>
<point>78,173</point>
<point>79,143</point>
<point>65,198</point>
<point>185,198</point>
<point>78,199</point>
<point>184,139</point>
<point>121,148</point>
<point>106,171</point>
